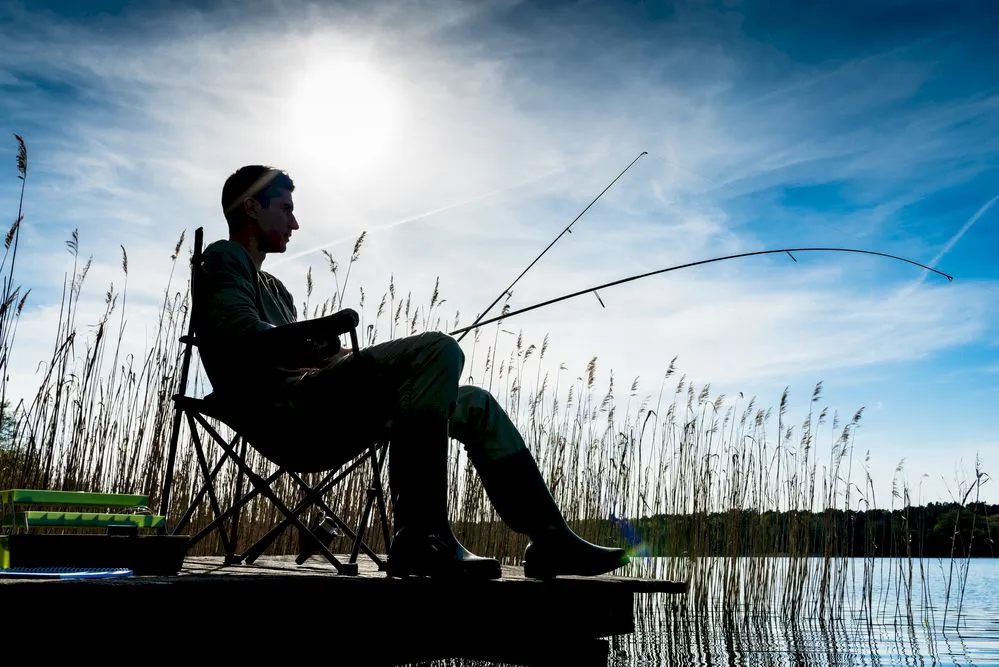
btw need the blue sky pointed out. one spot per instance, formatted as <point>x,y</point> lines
<point>472,133</point>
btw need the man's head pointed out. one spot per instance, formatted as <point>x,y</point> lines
<point>258,207</point>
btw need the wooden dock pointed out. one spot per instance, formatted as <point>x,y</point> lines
<point>309,612</point>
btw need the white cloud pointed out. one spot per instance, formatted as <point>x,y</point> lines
<point>504,152</point>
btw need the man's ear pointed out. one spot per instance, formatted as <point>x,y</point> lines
<point>251,207</point>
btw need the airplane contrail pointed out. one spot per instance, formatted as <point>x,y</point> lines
<point>957,237</point>
<point>425,214</point>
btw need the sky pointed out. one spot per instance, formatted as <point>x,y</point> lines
<point>464,136</point>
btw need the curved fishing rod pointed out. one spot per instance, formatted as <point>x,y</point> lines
<point>477,321</point>
<point>464,330</point>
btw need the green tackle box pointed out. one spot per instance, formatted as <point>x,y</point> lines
<point>43,528</point>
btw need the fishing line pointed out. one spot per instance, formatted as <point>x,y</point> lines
<point>567,230</point>
<point>787,251</point>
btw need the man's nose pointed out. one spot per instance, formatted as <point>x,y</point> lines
<point>294,222</point>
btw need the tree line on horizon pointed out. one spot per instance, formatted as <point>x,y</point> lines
<point>934,530</point>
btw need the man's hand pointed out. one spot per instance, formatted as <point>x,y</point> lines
<point>345,352</point>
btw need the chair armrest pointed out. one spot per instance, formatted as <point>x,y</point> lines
<point>320,328</point>
<point>295,344</point>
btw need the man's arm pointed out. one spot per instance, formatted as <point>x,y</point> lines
<point>322,350</point>
<point>229,315</point>
<point>320,334</point>
<point>227,303</point>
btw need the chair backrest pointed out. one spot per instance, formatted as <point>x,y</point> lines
<point>188,342</point>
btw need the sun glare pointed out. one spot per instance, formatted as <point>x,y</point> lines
<point>343,114</point>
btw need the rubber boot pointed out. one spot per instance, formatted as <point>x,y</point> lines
<point>423,543</point>
<point>520,495</point>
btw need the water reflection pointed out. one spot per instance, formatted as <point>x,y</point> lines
<point>878,615</point>
<point>775,611</point>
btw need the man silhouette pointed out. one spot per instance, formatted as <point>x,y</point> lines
<point>307,403</point>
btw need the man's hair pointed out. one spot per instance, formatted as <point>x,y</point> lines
<point>257,181</point>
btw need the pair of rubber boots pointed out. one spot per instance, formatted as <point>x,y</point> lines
<point>423,543</point>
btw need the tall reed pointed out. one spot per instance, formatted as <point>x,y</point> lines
<point>678,470</point>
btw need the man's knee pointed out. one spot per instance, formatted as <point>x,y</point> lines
<point>445,350</point>
<point>477,406</point>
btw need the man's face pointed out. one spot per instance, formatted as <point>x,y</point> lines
<point>275,223</point>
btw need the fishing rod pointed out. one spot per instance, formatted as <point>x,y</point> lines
<point>788,251</point>
<point>477,321</point>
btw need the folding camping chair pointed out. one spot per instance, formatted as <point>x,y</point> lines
<point>315,538</point>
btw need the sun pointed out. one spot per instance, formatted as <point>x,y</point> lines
<point>343,114</point>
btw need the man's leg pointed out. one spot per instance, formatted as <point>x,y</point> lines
<point>519,492</point>
<point>412,381</point>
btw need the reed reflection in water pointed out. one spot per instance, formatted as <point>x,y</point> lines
<point>883,616</point>
<point>947,613</point>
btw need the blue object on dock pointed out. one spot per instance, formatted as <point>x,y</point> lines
<point>63,572</point>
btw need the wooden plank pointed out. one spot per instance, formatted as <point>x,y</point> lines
<point>397,617</point>
<point>512,620</point>
<point>285,565</point>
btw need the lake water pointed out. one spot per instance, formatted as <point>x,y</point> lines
<point>889,612</point>
<point>768,611</point>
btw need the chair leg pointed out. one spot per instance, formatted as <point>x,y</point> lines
<point>234,558</point>
<point>362,524</point>
<point>172,452</point>
<point>386,535</point>
<point>238,503</point>
<point>189,513</point>
<point>313,497</point>
<point>215,524</point>
<point>199,450</point>
<point>331,480</point>
<point>339,521</point>
<point>374,494</point>
<point>250,495</point>
<point>259,483</point>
